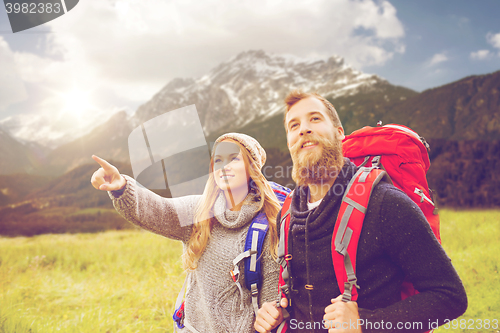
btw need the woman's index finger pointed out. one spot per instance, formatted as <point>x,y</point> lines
<point>103,163</point>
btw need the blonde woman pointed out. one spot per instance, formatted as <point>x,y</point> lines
<point>213,228</point>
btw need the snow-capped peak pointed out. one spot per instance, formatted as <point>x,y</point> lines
<point>253,84</point>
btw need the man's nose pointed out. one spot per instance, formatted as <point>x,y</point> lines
<point>305,129</point>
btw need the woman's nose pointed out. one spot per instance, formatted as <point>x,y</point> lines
<point>227,166</point>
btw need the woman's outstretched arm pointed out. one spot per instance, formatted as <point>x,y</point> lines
<point>171,218</point>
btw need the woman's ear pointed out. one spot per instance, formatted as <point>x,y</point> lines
<point>252,186</point>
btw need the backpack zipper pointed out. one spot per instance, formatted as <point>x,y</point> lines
<point>404,129</point>
<point>423,196</point>
<point>412,133</point>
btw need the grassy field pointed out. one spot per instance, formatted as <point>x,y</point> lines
<point>471,239</point>
<point>127,281</point>
<point>122,281</point>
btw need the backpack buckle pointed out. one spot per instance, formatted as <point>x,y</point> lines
<point>234,276</point>
<point>376,161</point>
<point>354,282</point>
<point>347,295</point>
<point>178,316</point>
<point>284,288</point>
<point>255,290</point>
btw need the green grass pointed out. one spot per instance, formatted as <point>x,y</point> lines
<point>92,211</point>
<point>127,281</point>
<point>56,211</point>
<point>109,282</point>
<point>471,239</point>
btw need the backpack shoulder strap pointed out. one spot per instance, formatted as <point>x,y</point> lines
<point>348,228</point>
<point>255,243</point>
<point>178,315</point>
<point>283,256</point>
<point>251,256</point>
<point>281,192</point>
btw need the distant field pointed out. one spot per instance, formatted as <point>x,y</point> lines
<point>120,281</point>
<point>127,281</point>
<point>472,240</point>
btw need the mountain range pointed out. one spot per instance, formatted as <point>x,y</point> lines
<point>246,90</point>
<point>245,94</point>
<point>251,86</point>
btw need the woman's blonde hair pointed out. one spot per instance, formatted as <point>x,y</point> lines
<point>204,219</point>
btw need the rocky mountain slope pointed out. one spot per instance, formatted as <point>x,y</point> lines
<point>468,109</point>
<point>245,91</point>
<point>460,120</point>
<point>17,157</point>
<point>250,88</point>
<point>108,140</point>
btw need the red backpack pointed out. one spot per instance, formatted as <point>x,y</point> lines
<point>394,152</point>
<point>404,155</point>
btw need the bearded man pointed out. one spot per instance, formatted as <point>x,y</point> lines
<point>396,241</point>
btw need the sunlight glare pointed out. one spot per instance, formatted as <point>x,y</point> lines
<point>76,102</point>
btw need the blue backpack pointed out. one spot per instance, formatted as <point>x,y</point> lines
<point>251,255</point>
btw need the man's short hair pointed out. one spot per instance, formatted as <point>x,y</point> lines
<point>298,95</point>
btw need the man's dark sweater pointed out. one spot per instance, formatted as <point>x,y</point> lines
<point>396,241</point>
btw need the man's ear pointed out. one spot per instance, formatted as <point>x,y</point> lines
<point>341,134</point>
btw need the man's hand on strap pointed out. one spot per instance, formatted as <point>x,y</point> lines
<point>270,316</point>
<point>342,317</point>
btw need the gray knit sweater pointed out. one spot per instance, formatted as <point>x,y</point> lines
<point>213,302</point>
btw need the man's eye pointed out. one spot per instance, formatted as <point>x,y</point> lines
<point>315,118</point>
<point>235,159</point>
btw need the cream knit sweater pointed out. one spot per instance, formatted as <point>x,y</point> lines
<point>213,302</point>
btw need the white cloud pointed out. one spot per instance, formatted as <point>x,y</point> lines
<point>129,49</point>
<point>480,55</point>
<point>132,44</point>
<point>493,39</point>
<point>11,86</point>
<point>438,58</point>
<point>52,124</point>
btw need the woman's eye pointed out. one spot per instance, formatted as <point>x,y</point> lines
<point>217,161</point>
<point>236,158</point>
<point>293,126</point>
<point>315,118</point>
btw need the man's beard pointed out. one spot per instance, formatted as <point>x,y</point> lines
<point>318,166</point>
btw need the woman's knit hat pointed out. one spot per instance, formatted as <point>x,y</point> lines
<point>253,146</point>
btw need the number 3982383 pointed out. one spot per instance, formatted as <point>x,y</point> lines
<point>33,8</point>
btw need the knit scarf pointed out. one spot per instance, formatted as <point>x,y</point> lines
<point>236,219</point>
<point>244,216</point>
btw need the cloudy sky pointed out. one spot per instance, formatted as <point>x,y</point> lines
<point>108,55</point>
